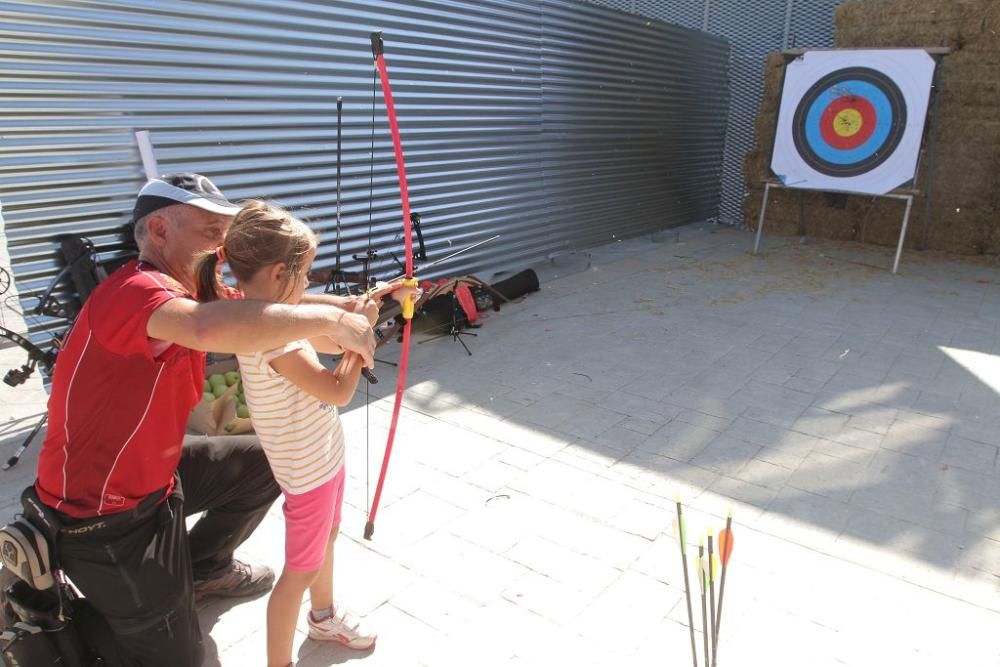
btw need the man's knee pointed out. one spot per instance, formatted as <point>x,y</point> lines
<point>259,477</point>
<point>234,462</point>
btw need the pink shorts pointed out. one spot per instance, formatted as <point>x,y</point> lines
<point>310,517</point>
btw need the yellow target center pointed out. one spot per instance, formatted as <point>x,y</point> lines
<point>847,122</point>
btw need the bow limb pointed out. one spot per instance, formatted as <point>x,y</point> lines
<point>46,358</point>
<point>409,281</point>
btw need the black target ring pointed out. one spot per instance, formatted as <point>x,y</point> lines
<point>866,83</point>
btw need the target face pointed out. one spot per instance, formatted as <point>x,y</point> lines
<point>852,120</point>
<point>849,122</point>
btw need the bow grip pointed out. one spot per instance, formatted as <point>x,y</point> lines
<point>408,304</point>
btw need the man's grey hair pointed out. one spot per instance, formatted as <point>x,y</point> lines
<point>141,230</point>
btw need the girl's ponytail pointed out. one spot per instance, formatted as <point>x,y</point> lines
<point>208,277</point>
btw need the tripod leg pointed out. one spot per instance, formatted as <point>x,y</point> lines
<point>12,461</point>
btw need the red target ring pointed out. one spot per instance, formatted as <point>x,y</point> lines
<point>848,122</point>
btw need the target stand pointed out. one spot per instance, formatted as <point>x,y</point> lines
<point>852,121</point>
<point>906,196</point>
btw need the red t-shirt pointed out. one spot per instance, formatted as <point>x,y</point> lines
<point>120,401</point>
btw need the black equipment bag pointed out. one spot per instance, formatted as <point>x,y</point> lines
<point>511,288</point>
<point>517,285</point>
<point>42,620</point>
<point>43,631</point>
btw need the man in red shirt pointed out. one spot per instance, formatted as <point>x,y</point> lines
<point>113,466</point>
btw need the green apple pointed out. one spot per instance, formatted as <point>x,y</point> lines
<point>243,412</point>
<point>208,396</point>
<point>208,386</point>
<point>232,377</point>
<point>217,379</point>
<point>218,390</point>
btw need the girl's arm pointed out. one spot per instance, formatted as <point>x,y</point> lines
<point>326,345</point>
<point>335,387</point>
<point>363,305</point>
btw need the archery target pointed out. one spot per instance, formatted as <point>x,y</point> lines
<point>852,120</point>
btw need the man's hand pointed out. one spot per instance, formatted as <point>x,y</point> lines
<point>354,333</point>
<point>350,303</point>
<point>369,308</point>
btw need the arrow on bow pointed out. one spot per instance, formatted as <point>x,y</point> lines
<point>409,281</point>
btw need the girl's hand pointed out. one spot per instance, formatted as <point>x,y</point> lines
<point>396,290</point>
<point>402,293</point>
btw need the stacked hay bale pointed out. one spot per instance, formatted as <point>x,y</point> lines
<point>960,163</point>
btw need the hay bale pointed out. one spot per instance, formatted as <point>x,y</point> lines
<point>960,130</point>
<point>965,231</point>
<point>963,215</point>
<point>974,98</point>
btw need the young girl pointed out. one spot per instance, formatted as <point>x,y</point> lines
<point>293,403</point>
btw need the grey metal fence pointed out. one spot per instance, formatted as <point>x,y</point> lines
<point>551,123</point>
<point>754,29</point>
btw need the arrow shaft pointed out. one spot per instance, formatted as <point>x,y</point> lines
<point>711,592</point>
<point>727,550</point>
<point>687,582</point>
<point>702,575</point>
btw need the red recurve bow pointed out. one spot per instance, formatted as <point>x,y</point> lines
<point>408,281</point>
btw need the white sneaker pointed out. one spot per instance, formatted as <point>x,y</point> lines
<point>344,628</point>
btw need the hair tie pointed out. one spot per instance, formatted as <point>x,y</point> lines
<point>220,254</point>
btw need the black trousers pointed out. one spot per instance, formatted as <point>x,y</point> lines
<point>137,567</point>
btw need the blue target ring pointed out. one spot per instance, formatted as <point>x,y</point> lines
<point>878,92</point>
<point>883,123</point>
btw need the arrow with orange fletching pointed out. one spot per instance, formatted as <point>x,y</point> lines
<point>725,553</point>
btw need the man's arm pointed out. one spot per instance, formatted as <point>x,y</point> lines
<point>247,325</point>
<point>380,291</point>
<point>342,302</point>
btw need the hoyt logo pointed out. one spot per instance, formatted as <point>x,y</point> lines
<point>9,555</point>
<point>86,529</point>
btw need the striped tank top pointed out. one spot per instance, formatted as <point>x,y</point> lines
<point>301,435</point>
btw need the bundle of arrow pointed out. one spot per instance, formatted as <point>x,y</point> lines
<point>708,573</point>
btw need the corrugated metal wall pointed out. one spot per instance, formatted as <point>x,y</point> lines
<point>551,123</point>
<point>754,29</point>
<point>632,134</point>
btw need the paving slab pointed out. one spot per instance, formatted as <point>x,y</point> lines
<point>847,416</point>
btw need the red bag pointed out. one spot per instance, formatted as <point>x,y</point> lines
<point>467,302</point>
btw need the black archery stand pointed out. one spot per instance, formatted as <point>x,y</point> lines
<point>485,296</point>
<point>458,321</point>
<point>84,272</point>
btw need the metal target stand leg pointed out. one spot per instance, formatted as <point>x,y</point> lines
<point>907,197</point>
<point>760,221</point>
